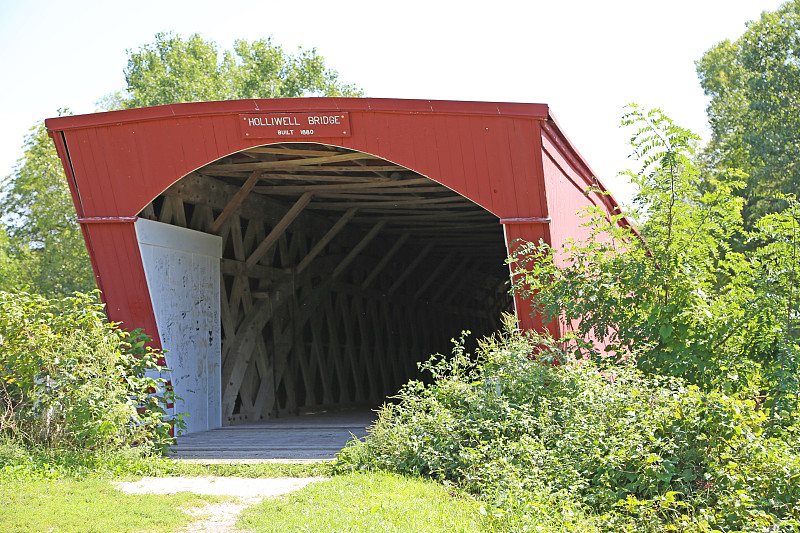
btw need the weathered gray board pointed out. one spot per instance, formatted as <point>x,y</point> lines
<point>182,268</point>
<point>298,438</point>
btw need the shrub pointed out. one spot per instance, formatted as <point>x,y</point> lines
<point>676,295</point>
<point>70,378</point>
<point>572,443</point>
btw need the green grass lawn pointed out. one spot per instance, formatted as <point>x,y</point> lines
<point>45,493</point>
<point>365,502</point>
<point>90,506</point>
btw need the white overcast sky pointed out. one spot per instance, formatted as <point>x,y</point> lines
<point>585,58</point>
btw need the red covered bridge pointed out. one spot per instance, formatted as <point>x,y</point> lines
<point>299,254</point>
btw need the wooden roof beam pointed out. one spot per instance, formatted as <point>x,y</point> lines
<point>421,216</point>
<point>395,195</point>
<point>350,168</point>
<point>292,163</point>
<point>362,183</point>
<point>459,201</point>
<point>282,176</point>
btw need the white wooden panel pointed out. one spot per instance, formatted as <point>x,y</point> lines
<point>182,271</point>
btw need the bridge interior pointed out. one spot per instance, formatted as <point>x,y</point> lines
<point>340,272</point>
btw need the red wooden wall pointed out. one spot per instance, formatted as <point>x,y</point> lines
<point>511,159</point>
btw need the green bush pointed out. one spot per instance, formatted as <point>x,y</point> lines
<point>560,442</point>
<point>676,295</point>
<point>70,378</point>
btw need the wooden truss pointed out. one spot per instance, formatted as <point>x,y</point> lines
<point>340,272</point>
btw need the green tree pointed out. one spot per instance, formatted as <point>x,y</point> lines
<point>45,245</point>
<point>777,282</point>
<point>754,112</point>
<point>11,276</point>
<point>172,70</point>
<point>677,302</point>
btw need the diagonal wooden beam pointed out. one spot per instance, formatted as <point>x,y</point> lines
<point>432,276</point>
<point>357,249</point>
<point>386,258</point>
<point>240,352</point>
<point>242,348</point>
<point>279,229</point>
<point>454,276</point>
<point>410,268</point>
<point>326,239</point>
<point>234,202</point>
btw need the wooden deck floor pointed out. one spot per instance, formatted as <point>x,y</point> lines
<point>304,438</point>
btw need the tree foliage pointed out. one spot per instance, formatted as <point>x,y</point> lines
<point>680,301</point>
<point>45,247</point>
<point>754,113</point>
<point>776,265</point>
<point>172,70</point>
<point>10,267</point>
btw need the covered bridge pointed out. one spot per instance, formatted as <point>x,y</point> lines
<point>304,254</point>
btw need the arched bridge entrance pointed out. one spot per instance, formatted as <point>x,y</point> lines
<point>339,272</point>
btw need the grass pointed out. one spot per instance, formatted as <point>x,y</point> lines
<point>90,506</point>
<point>18,463</point>
<point>160,467</point>
<point>65,491</point>
<point>366,502</point>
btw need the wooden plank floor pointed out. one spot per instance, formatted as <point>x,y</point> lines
<point>304,438</point>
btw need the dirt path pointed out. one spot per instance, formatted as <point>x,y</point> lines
<point>217,517</point>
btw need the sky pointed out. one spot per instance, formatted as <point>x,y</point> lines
<point>584,58</point>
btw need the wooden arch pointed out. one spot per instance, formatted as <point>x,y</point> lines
<point>349,253</point>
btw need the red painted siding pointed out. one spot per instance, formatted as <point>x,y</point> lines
<point>491,153</point>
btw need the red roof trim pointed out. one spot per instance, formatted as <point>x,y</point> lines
<point>226,107</point>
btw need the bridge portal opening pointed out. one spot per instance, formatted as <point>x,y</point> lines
<point>339,272</point>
